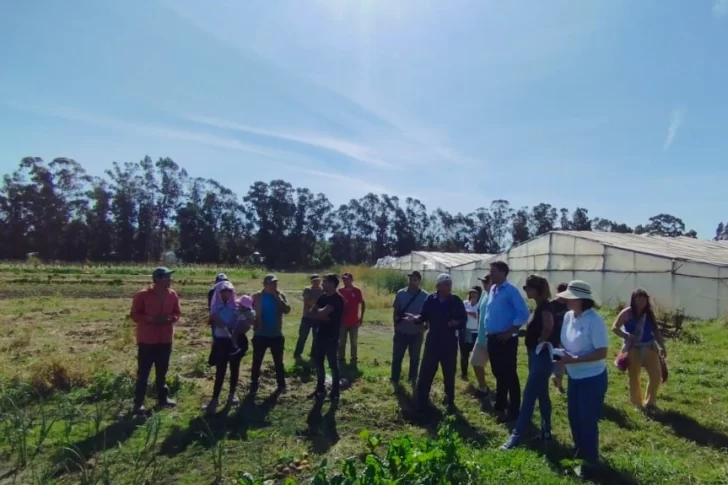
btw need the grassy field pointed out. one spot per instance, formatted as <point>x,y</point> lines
<point>67,358</point>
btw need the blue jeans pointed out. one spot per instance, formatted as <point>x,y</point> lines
<point>540,368</point>
<point>585,399</point>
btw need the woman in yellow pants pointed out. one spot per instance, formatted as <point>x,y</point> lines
<point>644,343</point>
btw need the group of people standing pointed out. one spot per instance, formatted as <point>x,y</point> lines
<point>562,335</point>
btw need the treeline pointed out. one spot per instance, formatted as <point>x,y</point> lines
<point>140,210</point>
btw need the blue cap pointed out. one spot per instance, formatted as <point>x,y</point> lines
<point>221,277</point>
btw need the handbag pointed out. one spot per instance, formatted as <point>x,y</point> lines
<point>622,361</point>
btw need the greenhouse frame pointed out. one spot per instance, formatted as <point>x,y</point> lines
<point>679,273</point>
<point>460,266</point>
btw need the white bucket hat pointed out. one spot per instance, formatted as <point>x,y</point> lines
<point>577,290</point>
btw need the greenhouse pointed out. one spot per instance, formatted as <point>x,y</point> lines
<point>460,266</point>
<point>679,273</point>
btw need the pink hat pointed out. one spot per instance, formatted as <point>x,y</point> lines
<point>246,302</point>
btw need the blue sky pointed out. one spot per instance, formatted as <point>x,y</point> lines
<point>619,106</point>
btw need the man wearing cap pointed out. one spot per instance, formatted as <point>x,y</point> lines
<point>269,305</point>
<point>445,315</point>
<point>480,351</point>
<point>155,310</point>
<point>505,313</point>
<point>308,325</point>
<point>352,320</point>
<point>407,335</point>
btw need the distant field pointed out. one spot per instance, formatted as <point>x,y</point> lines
<point>67,359</point>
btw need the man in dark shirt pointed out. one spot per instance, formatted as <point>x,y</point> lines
<point>445,315</point>
<point>328,312</point>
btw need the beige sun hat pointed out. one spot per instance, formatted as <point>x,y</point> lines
<point>577,290</point>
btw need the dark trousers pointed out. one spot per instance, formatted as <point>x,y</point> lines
<point>307,326</point>
<point>223,347</point>
<point>585,400</point>
<point>260,345</point>
<point>327,349</point>
<point>504,364</point>
<point>440,351</point>
<point>149,355</point>
<point>466,342</point>
<point>402,343</point>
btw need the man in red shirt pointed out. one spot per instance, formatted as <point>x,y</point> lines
<point>352,319</point>
<point>155,310</point>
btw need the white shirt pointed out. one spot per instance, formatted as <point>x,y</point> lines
<point>581,336</point>
<point>472,324</point>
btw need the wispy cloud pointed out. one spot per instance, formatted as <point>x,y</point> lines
<point>355,185</point>
<point>720,8</point>
<point>340,146</point>
<point>676,119</point>
<point>160,131</point>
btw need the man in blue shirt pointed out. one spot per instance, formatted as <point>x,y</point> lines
<point>505,313</point>
<point>445,315</point>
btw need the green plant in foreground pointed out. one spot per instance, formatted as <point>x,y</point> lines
<point>424,461</point>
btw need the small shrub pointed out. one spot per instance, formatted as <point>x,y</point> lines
<point>54,375</point>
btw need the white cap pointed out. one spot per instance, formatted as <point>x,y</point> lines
<point>443,278</point>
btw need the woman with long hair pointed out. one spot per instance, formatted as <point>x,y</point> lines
<point>643,344</point>
<point>539,341</point>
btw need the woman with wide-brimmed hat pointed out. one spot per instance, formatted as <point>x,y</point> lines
<point>584,341</point>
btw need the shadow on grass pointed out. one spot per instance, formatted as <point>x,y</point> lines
<point>350,372</point>
<point>618,417</point>
<point>431,417</point>
<point>207,430</point>
<point>108,438</point>
<point>688,428</point>
<point>321,429</point>
<point>560,455</point>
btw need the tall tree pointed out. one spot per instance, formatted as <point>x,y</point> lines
<point>665,225</point>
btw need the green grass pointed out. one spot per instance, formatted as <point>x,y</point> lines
<point>67,361</point>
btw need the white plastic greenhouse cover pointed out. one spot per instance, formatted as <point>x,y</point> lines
<point>678,273</point>
<point>460,266</point>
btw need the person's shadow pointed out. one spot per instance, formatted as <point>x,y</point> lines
<point>429,418</point>
<point>321,429</point>
<point>688,428</point>
<point>209,429</point>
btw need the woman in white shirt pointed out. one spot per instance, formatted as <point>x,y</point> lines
<point>470,334</point>
<point>584,340</point>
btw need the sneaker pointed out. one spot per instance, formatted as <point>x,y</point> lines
<point>233,400</point>
<point>139,411</point>
<point>513,441</point>
<point>167,404</point>
<point>212,407</point>
<point>482,392</point>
